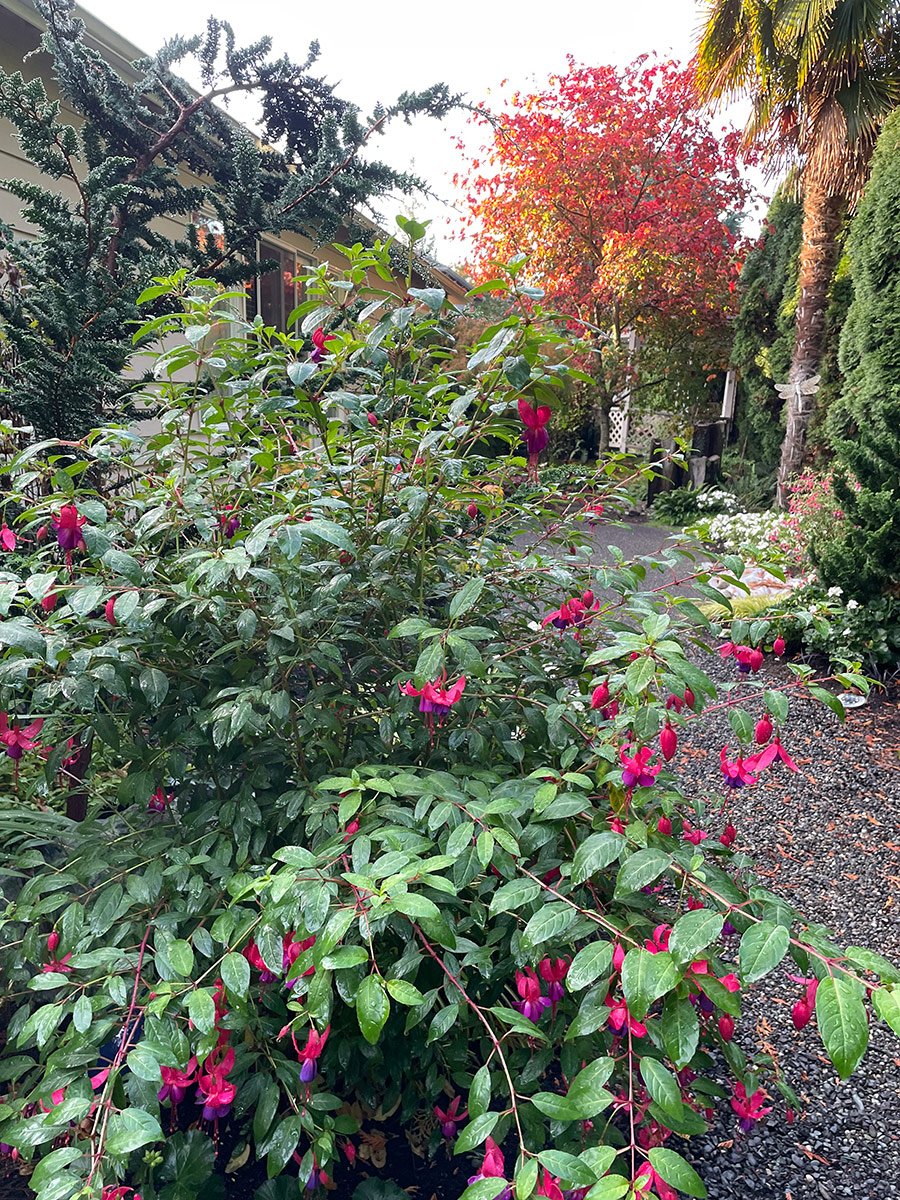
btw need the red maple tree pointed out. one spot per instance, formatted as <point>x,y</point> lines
<point>615,186</point>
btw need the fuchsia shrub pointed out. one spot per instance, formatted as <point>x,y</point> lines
<point>379,805</point>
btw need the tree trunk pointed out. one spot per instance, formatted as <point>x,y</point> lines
<point>602,428</point>
<point>822,214</point>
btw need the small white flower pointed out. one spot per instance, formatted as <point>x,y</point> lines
<point>846,633</point>
<point>835,591</point>
<point>851,604</point>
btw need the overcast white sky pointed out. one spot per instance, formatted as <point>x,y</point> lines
<point>374,49</point>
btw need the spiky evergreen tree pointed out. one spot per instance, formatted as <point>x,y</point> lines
<point>67,297</point>
<point>865,425</point>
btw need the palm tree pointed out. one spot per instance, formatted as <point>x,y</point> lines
<point>822,76</point>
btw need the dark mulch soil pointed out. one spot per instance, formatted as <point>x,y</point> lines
<point>828,840</point>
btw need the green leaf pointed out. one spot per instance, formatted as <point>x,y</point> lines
<point>526,1179</point>
<point>558,1108</point>
<point>475,1132</point>
<point>411,904</point>
<point>587,1091</point>
<point>344,957</point>
<point>329,531</point>
<point>591,961</point>
<point>639,674</point>
<point>82,1014</point>
<point>693,932</point>
<point>189,1161</point>
<point>202,1010</point>
<point>23,634</point>
<point>640,870</point>
<point>680,1029</point>
<point>467,597</point>
<point>480,1092</point>
<point>144,1063</point>
<point>484,1189</point>
<point>410,627</point>
<point>887,1005</point>
<point>372,1007</point>
<point>154,685</point>
<point>595,853</point>
<point>869,960</point>
<point>181,955</point>
<point>763,947</point>
<point>662,1085</point>
<point>404,992</point>
<point>550,921</point>
<point>646,977</point>
<point>676,1172</point>
<point>441,1022</point>
<point>236,974</point>
<point>510,896</point>
<point>131,1129</point>
<point>567,1168</point>
<point>841,1017</point>
<point>282,1144</point>
<point>610,1187</point>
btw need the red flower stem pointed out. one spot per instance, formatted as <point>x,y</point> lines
<point>498,1049</point>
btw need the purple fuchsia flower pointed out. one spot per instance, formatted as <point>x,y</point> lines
<point>176,1082</point>
<point>561,618</point>
<point>214,1092</point>
<point>532,1004</point>
<point>553,972</point>
<point>619,1016</point>
<point>636,769</point>
<point>319,338</point>
<point>17,740</point>
<point>748,1108</point>
<point>737,775</point>
<point>229,521</point>
<point>451,1118</point>
<point>435,699</point>
<point>536,436</point>
<point>67,526</point>
<point>771,754</point>
<point>309,1055</point>
<point>160,801</point>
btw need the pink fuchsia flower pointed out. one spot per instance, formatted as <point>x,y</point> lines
<point>492,1167</point>
<point>616,825</point>
<point>229,520</point>
<point>160,801</point>
<point>726,1027</point>
<point>648,1180</point>
<point>694,836</point>
<point>372,419</point>
<point>748,1108</point>
<point>532,1004</point>
<point>726,650</point>
<point>309,1055</point>
<point>619,1016</point>
<point>319,338</point>
<point>618,956</point>
<point>636,769</point>
<point>451,1118</point>
<point>536,436</point>
<point>736,774</point>
<point>119,1192</point>
<point>600,695</point>
<point>772,752</point>
<point>553,972</point>
<point>435,698</point>
<point>17,740</point>
<point>176,1082</point>
<point>67,526</point>
<point>664,826</point>
<point>59,965</point>
<point>729,833</point>
<point>472,510</point>
<point>660,939</point>
<point>50,602</point>
<point>549,1186</point>
<point>254,958</point>
<point>7,538</point>
<point>731,982</point>
<point>214,1092</point>
<point>561,618</point>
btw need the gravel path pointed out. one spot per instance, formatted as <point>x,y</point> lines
<point>828,839</point>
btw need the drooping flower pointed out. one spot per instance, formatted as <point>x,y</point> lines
<point>636,769</point>
<point>372,419</point>
<point>229,520</point>
<point>549,1186</point>
<point>694,836</point>
<point>536,436</point>
<point>7,538</point>
<point>118,1192</point>
<point>668,741</point>
<point>492,1167</point>
<point>50,601</point>
<point>176,1082</point>
<point>308,1056</point>
<point>726,1027</point>
<point>772,752</point>
<point>736,774</point>
<point>214,1091</point>
<point>729,833</point>
<point>618,956</point>
<point>553,972</point>
<point>159,801</point>
<point>731,982</point>
<point>291,951</point>
<point>647,1179</point>
<point>319,338</point>
<point>472,510</point>
<point>59,965</point>
<point>254,958</point>
<point>532,1004</point>
<point>451,1118</point>
<point>67,526</point>
<point>748,1108</point>
<point>110,610</point>
<point>436,699</point>
<point>660,939</point>
<point>561,618</point>
<point>17,740</point>
<point>619,1016</point>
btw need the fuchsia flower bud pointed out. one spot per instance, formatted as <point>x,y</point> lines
<point>52,941</point>
<point>110,610</point>
<point>472,510</point>
<point>789,1116</point>
<point>726,1027</point>
<point>41,533</point>
<point>801,1014</point>
<point>763,731</point>
<point>50,601</point>
<point>728,835</point>
<point>778,646</point>
<point>618,956</point>
<point>756,659</point>
<point>664,825</point>
<point>675,702</point>
<point>600,695</point>
<point>588,598</point>
<point>668,741</point>
<point>372,419</point>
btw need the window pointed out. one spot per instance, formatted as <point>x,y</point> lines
<point>275,295</point>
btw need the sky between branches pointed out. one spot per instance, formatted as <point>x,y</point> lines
<point>373,49</point>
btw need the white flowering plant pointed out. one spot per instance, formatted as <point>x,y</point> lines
<point>819,621</point>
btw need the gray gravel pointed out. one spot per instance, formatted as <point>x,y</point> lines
<point>828,839</point>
